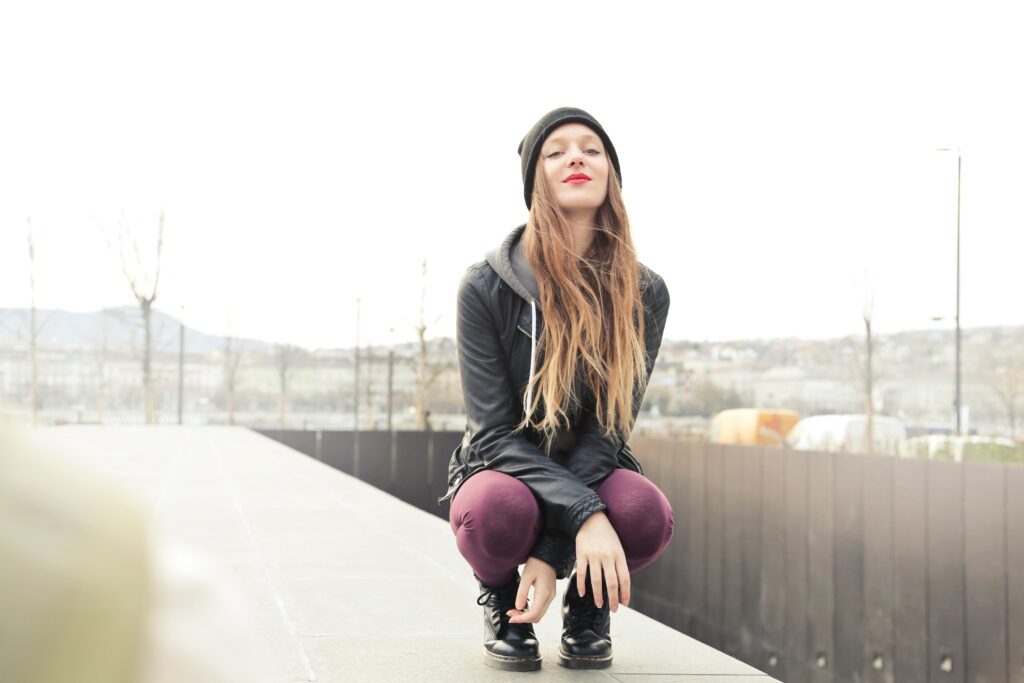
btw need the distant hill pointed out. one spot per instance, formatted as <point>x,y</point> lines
<point>70,331</point>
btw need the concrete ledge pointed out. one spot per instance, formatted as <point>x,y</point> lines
<point>346,582</point>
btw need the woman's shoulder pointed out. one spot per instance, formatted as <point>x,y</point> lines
<point>476,271</point>
<point>479,279</point>
<point>475,267</point>
<point>649,278</point>
<point>653,290</point>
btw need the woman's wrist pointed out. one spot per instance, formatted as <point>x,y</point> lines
<point>544,564</point>
<point>597,516</point>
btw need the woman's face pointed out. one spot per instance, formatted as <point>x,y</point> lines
<point>576,167</point>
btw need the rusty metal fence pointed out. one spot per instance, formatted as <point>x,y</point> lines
<point>809,566</point>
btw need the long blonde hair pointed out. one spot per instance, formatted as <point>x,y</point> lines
<point>593,315</point>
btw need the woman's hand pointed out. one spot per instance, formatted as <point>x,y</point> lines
<point>541,576</point>
<point>598,547</point>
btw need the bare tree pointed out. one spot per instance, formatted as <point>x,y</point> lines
<point>285,356</point>
<point>33,332</point>
<point>426,371</point>
<point>35,327</point>
<point>355,369</point>
<point>869,408</point>
<point>864,372</point>
<point>101,368</point>
<point>370,417</point>
<point>145,291</point>
<point>232,359</point>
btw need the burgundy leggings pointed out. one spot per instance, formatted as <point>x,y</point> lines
<point>496,520</point>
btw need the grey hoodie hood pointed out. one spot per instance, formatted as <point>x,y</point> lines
<point>500,259</point>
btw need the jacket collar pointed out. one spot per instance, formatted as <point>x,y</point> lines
<point>500,259</point>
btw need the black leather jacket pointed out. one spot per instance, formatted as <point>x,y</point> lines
<point>497,324</point>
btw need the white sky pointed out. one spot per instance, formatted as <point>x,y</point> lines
<point>307,155</point>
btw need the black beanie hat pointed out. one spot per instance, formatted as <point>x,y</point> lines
<point>529,146</point>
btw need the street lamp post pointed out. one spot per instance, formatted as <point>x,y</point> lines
<point>956,400</point>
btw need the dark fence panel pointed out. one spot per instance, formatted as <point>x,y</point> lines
<point>878,571</point>
<point>910,588</point>
<point>773,564</point>
<point>945,572</point>
<point>714,510</point>
<point>373,459</point>
<point>821,568</point>
<point>1015,569</point>
<point>732,552</point>
<point>985,571</point>
<point>412,468</point>
<point>848,570</point>
<point>338,449</point>
<point>751,633</point>
<point>795,470</point>
<point>695,552</point>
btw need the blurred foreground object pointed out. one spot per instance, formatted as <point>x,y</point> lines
<point>92,592</point>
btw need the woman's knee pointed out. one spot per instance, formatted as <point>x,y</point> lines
<point>494,504</point>
<point>640,513</point>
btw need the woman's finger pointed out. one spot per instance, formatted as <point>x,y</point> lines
<point>543,608</point>
<point>622,570</point>
<point>532,615</point>
<point>541,600</point>
<point>612,583</point>
<point>596,580</point>
<point>581,576</point>
<point>523,593</point>
<point>520,617</point>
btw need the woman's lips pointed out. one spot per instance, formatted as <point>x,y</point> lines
<point>577,181</point>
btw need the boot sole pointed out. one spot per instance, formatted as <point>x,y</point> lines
<point>578,662</point>
<point>511,663</point>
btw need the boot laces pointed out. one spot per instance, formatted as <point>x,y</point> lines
<point>582,611</point>
<point>585,613</point>
<point>498,595</point>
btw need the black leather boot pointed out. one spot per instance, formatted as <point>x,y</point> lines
<point>586,628</point>
<point>512,647</point>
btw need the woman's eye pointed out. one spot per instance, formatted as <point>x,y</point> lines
<point>551,154</point>
<point>594,151</point>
